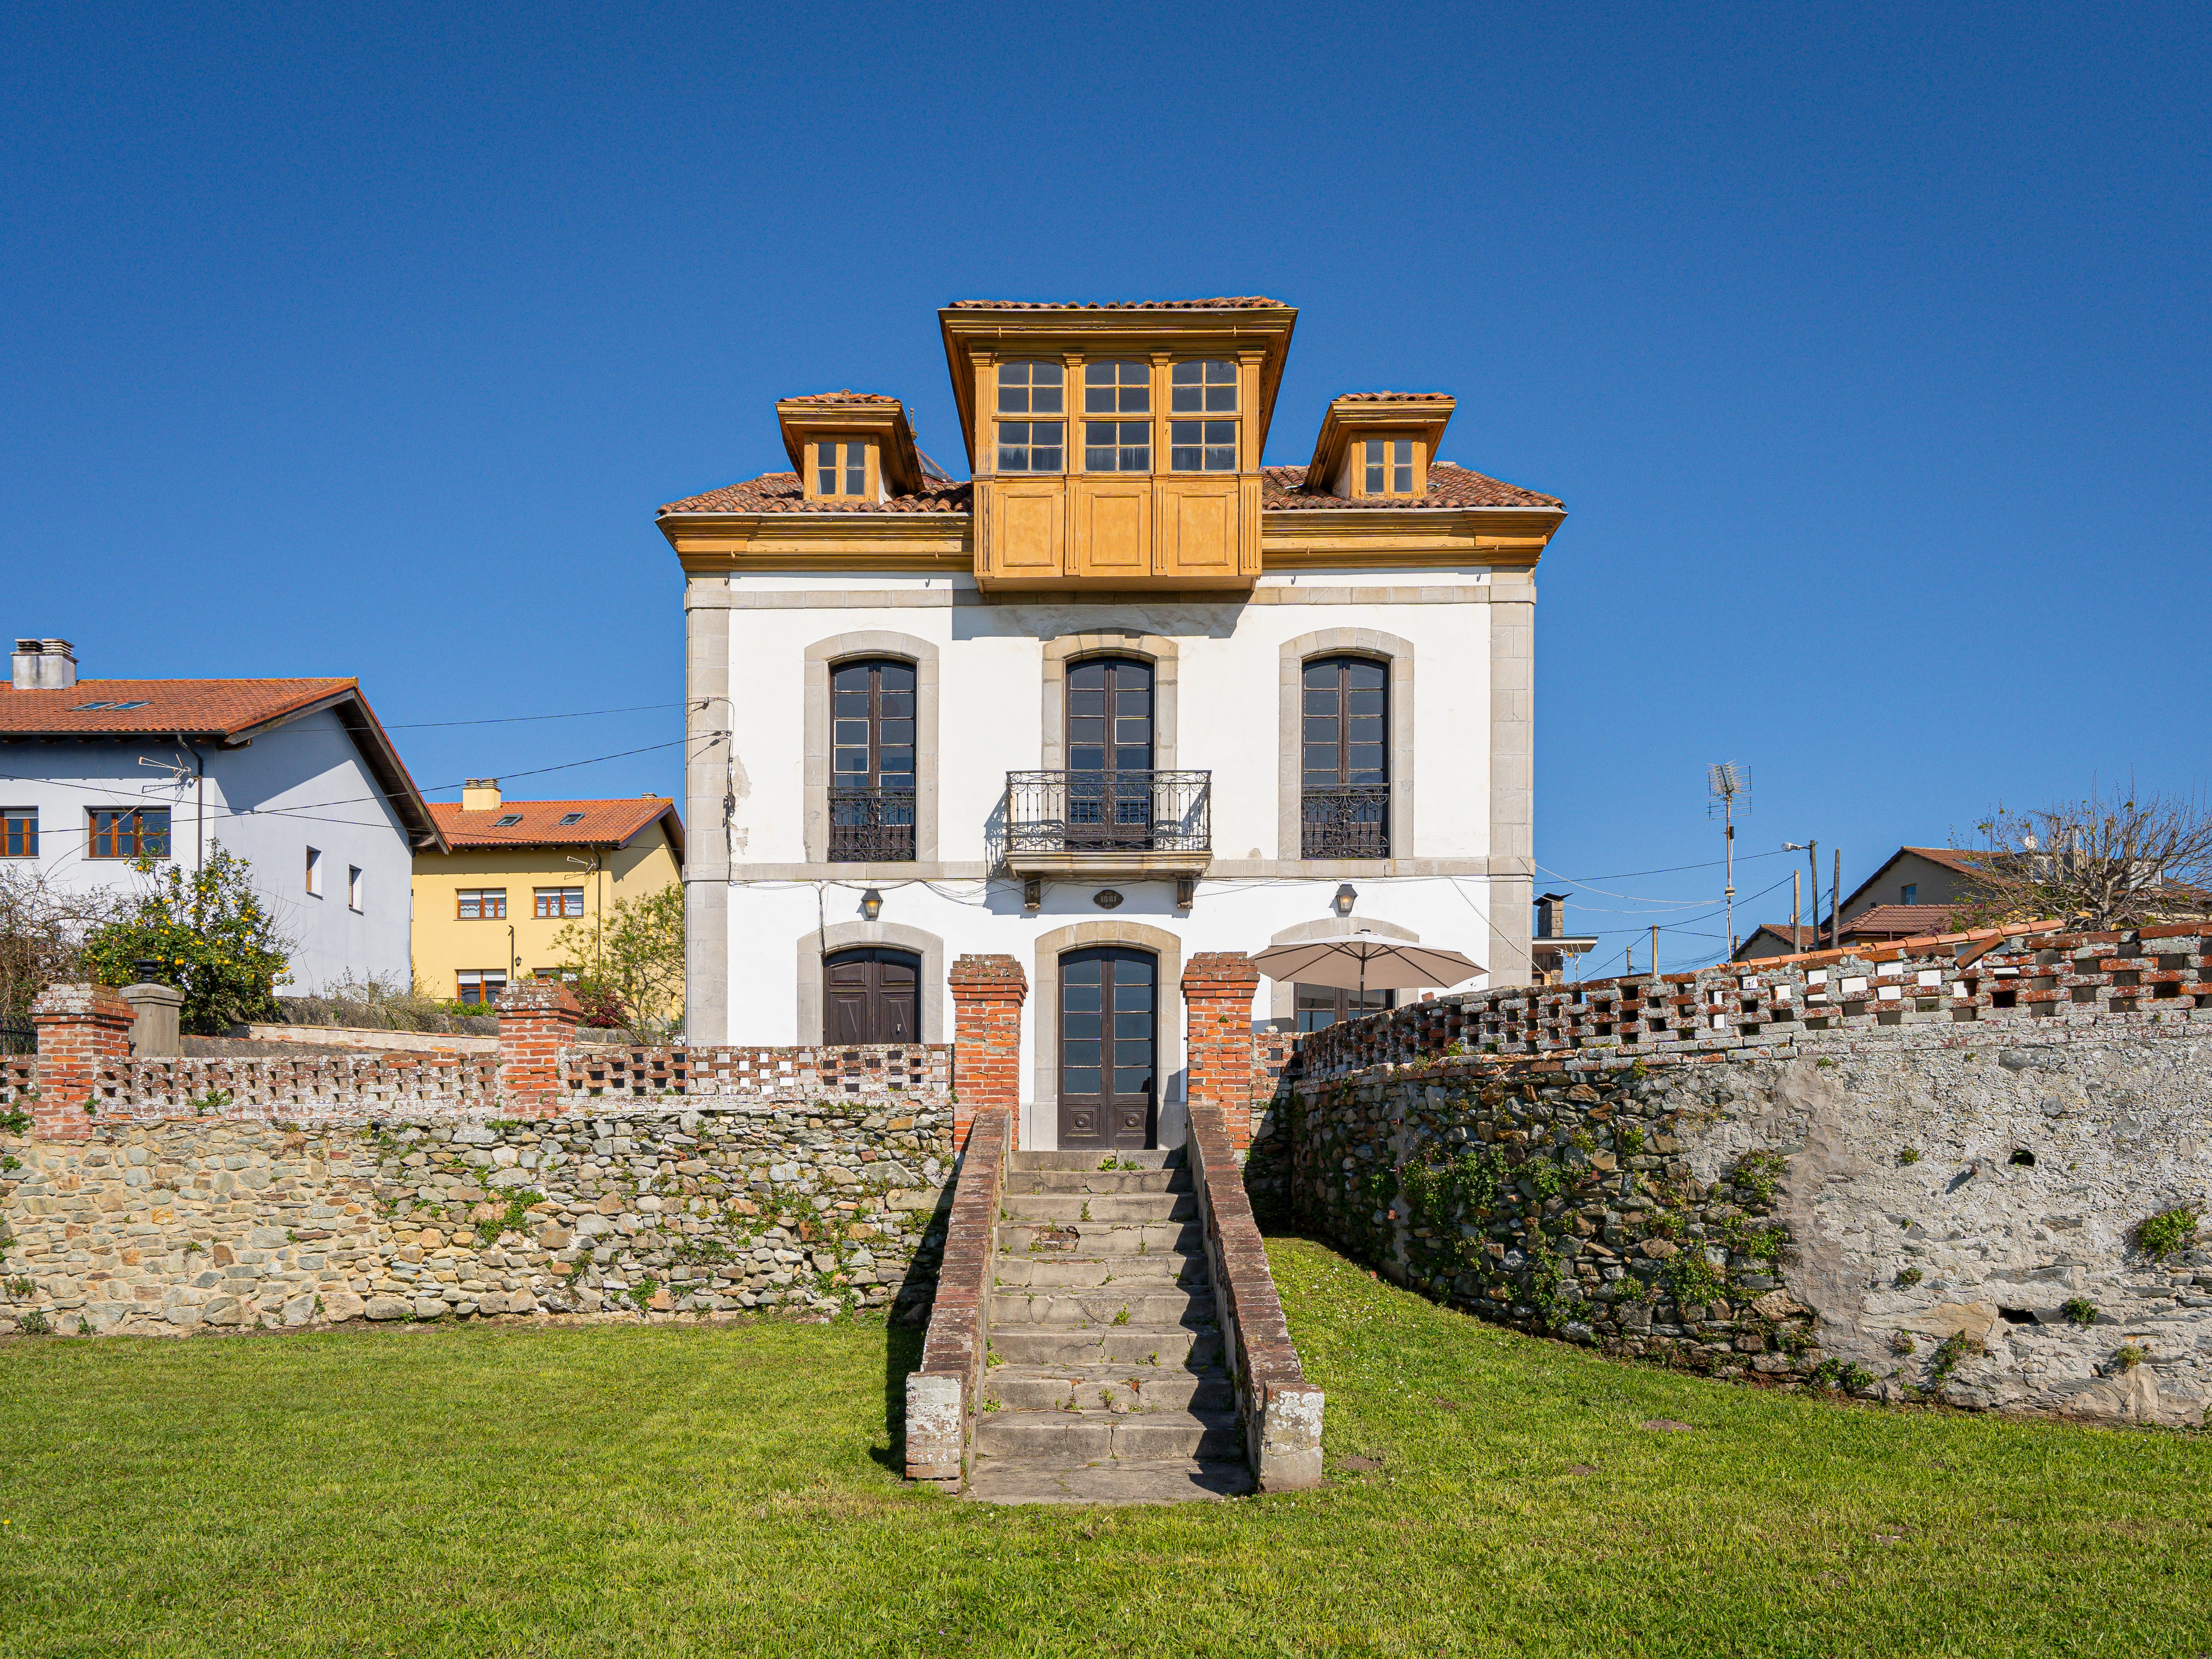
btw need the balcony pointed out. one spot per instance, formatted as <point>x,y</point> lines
<point>1346,823</point>
<point>1125,824</point>
<point>870,826</point>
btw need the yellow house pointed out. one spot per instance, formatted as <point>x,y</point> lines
<point>519,871</point>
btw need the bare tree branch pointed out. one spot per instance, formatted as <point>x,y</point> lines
<point>2102,863</point>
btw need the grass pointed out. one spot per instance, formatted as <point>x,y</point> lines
<point>666,1490</point>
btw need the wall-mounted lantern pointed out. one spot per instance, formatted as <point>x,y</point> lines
<point>871,904</point>
<point>1346,894</point>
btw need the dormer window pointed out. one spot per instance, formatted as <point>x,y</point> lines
<point>1390,466</point>
<point>1027,389</point>
<point>840,468</point>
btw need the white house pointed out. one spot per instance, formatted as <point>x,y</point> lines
<point>294,775</point>
<point>1127,696</point>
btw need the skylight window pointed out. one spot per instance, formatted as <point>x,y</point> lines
<point>507,821</point>
<point>573,817</point>
<point>108,707</point>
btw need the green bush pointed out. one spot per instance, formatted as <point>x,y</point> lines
<point>2168,1231</point>
<point>215,940</point>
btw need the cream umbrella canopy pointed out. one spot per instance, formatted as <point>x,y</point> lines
<point>1363,959</point>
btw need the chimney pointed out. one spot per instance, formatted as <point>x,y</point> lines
<point>480,795</point>
<point>44,665</point>
<point>1551,915</point>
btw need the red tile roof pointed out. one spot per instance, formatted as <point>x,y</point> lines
<point>1897,922</point>
<point>228,711</point>
<point>782,492</point>
<point>1279,487</point>
<point>1449,486</point>
<point>604,822</point>
<point>1392,397</point>
<point>840,397</point>
<point>162,708</point>
<point>1240,302</point>
<point>1950,857</point>
<point>1807,937</point>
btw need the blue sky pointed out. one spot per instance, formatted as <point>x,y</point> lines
<point>1868,347</point>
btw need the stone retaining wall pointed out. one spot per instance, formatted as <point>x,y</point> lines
<point>163,1226</point>
<point>1946,1209</point>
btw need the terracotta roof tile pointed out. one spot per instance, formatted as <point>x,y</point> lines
<point>1807,937</point>
<point>782,492</point>
<point>602,823</point>
<point>1240,302</point>
<point>1449,486</point>
<point>134,708</point>
<point>1950,857</point>
<point>841,397</point>
<point>1897,922</point>
<point>1391,396</point>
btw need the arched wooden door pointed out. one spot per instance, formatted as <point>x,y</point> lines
<point>1108,1049</point>
<point>870,995</point>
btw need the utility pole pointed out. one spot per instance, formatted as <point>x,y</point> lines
<point>1655,949</point>
<point>1836,904</point>
<point>1730,786</point>
<point>1796,906</point>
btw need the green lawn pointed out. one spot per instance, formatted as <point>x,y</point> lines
<point>666,1490</point>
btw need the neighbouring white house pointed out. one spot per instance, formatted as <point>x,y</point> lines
<point>1126,695</point>
<point>295,775</point>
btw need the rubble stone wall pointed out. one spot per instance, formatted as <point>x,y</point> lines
<point>1943,1209</point>
<point>241,1216</point>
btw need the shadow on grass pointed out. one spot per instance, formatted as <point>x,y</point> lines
<point>901,1353</point>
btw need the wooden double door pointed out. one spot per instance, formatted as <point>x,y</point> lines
<point>1108,1017</point>
<point>870,995</point>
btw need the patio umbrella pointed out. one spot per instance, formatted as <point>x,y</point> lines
<point>1365,959</point>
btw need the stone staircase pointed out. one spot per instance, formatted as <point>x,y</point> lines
<point>1104,1381</point>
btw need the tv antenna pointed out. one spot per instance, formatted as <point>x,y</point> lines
<point>1729,787</point>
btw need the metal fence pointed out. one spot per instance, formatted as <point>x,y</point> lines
<point>870,826</point>
<point>18,1038</point>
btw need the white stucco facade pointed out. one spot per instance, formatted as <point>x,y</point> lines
<point>765,904</point>
<point>298,785</point>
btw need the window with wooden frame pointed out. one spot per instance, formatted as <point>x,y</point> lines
<point>1344,764</point>
<point>1028,390</point>
<point>1117,446</point>
<point>1206,387</point>
<point>128,832</point>
<point>315,871</point>
<point>1388,466</point>
<point>872,767</point>
<point>353,886</point>
<point>19,832</point>
<point>479,986</point>
<point>840,468</point>
<point>557,902</point>
<point>480,904</point>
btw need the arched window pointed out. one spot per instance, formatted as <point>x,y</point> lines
<point>1345,763</point>
<point>872,767</point>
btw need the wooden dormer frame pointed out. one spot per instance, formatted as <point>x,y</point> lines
<point>894,461</point>
<point>977,337</point>
<point>1353,418</point>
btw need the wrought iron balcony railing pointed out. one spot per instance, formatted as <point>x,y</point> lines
<point>870,826</point>
<point>1109,812</point>
<point>1346,823</point>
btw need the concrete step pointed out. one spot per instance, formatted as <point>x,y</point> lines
<point>1098,1181</point>
<point>1154,1159</point>
<point>1170,1348</point>
<point>1045,1240</point>
<point>1108,1388</point>
<point>1090,1435</point>
<point>1126,1480</point>
<point>1073,1209</point>
<point>1109,1304</point>
<point>1154,1272</point>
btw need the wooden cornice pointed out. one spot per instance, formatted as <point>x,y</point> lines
<point>940,544</point>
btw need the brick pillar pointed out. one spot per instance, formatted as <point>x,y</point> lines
<point>987,994</point>
<point>537,1023</point>
<point>1218,986</point>
<point>82,1029</point>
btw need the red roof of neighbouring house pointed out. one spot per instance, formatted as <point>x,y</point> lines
<point>230,713</point>
<point>1898,921</point>
<point>599,823</point>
